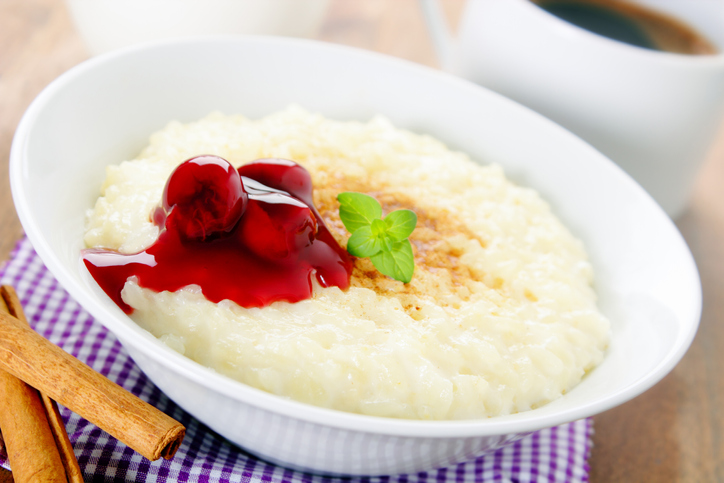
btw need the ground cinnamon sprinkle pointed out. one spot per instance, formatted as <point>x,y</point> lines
<point>438,272</point>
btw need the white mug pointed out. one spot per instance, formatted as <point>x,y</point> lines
<point>106,25</point>
<point>654,113</point>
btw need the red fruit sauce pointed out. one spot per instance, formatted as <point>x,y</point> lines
<point>252,236</point>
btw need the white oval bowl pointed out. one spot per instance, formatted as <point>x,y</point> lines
<point>103,111</point>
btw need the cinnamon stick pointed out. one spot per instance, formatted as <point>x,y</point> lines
<point>62,442</point>
<point>57,427</point>
<point>30,445</point>
<point>45,366</point>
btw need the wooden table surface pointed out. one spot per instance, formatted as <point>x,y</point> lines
<point>673,432</point>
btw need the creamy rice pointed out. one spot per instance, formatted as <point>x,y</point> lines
<point>500,316</point>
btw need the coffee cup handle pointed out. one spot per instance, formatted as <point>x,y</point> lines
<point>440,34</point>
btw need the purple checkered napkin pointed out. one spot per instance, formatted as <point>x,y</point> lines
<point>552,455</point>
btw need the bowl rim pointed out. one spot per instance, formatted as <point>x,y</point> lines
<point>523,422</point>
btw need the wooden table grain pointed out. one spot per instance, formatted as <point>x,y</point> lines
<point>674,432</point>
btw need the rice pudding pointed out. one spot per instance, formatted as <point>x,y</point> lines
<point>500,315</point>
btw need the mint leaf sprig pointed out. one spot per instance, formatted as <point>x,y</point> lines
<point>384,241</point>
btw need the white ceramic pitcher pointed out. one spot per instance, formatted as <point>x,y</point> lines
<point>106,25</point>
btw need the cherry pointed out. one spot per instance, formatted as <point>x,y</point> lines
<point>281,174</point>
<point>277,226</point>
<point>203,197</point>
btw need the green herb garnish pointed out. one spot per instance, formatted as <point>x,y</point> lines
<point>384,241</point>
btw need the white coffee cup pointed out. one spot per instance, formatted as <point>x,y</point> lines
<point>106,25</point>
<point>654,113</point>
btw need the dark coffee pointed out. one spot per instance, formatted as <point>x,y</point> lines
<point>630,23</point>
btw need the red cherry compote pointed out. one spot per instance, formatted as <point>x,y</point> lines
<point>250,235</point>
